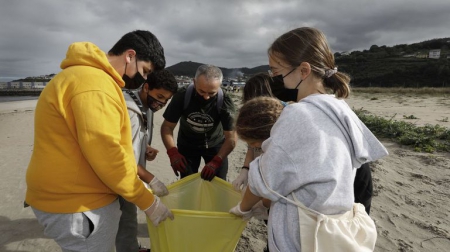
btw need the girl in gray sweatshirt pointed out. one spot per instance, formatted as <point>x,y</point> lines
<point>316,144</point>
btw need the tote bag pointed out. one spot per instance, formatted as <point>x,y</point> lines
<point>353,231</point>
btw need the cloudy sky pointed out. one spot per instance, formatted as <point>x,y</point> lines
<point>34,35</point>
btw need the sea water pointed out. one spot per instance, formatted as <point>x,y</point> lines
<point>17,98</point>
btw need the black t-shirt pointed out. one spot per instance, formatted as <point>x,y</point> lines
<point>201,124</point>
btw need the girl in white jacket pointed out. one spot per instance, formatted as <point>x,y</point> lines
<point>314,147</point>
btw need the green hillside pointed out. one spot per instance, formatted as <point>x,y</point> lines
<point>379,66</point>
<point>398,66</point>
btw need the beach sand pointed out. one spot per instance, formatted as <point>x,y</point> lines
<point>411,206</point>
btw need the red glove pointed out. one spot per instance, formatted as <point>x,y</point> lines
<point>209,171</point>
<point>177,161</point>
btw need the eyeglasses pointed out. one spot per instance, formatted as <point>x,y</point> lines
<point>154,100</point>
<point>162,104</point>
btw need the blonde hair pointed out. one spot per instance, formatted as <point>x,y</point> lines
<point>310,45</point>
<point>256,118</point>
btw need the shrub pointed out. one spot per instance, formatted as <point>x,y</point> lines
<point>428,138</point>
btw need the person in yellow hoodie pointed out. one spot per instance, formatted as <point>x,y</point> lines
<point>83,155</point>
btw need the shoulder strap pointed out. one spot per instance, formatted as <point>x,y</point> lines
<point>188,95</point>
<point>140,106</point>
<point>219,100</point>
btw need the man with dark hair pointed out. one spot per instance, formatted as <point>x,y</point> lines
<point>83,155</point>
<point>142,103</point>
<point>206,126</point>
<point>147,48</point>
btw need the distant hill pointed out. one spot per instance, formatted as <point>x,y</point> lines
<point>43,78</point>
<point>398,66</point>
<point>188,68</point>
<point>380,66</point>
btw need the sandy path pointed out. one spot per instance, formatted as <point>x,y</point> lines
<point>411,207</point>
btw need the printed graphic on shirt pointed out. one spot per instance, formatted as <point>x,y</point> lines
<point>199,122</point>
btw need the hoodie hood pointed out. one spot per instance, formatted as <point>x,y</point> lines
<point>88,54</point>
<point>365,146</point>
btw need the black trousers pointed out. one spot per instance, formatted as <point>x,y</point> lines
<point>193,157</point>
<point>363,187</point>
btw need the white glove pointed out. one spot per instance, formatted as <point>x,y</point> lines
<point>237,211</point>
<point>158,212</point>
<point>260,212</point>
<point>158,187</point>
<point>241,180</point>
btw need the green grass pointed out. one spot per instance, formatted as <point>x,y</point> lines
<point>428,138</point>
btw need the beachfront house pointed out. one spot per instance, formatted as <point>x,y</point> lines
<point>23,85</point>
<point>434,54</point>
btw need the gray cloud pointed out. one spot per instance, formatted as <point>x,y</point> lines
<point>35,35</point>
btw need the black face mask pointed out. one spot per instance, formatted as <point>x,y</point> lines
<point>282,93</point>
<point>154,104</point>
<point>200,98</point>
<point>135,82</point>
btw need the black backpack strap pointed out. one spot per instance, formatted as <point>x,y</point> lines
<point>219,100</point>
<point>188,95</point>
<point>140,106</point>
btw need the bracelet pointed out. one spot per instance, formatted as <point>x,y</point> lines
<point>245,167</point>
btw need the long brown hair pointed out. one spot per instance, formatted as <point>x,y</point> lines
<point>310,45</point>
<point>256,118</point>
<point>257,85</point>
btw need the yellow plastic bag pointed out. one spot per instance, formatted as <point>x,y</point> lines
<point>202,221</point>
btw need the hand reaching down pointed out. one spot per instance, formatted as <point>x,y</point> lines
<point>237,211</point>
<point>241,181</point>
<point>210,169</point>
<point>158,188</point>
<point>177,161</point>
<point>158,212</point>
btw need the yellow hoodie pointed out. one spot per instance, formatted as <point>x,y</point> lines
<point>83,155</point>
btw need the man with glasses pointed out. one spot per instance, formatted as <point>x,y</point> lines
<point>142,103</point>
<point>83,154</point>
<point>206,126</point>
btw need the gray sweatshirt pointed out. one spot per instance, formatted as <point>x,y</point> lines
<point>312,151</point>
<point>140,136</point>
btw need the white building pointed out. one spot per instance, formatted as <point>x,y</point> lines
<point>23,85</point>
<point>434,54</point>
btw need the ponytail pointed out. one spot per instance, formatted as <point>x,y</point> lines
<point>339,83</point>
